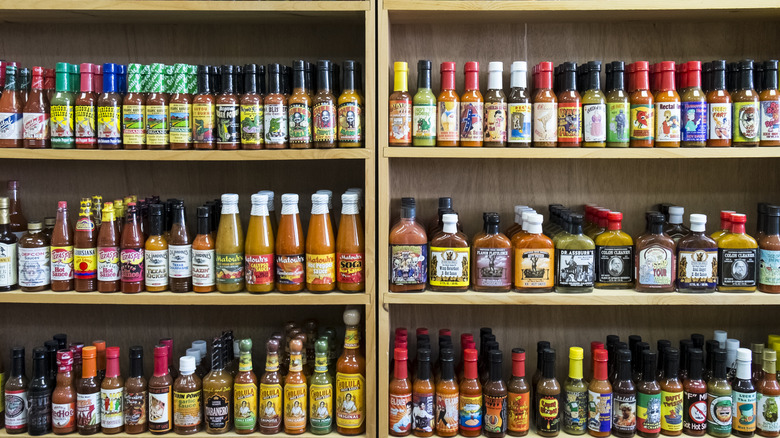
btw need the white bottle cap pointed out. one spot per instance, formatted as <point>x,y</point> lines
<point>236,347</point>
<point>721,336</point>
<point>329,193</point>
<point>535,223</point>
<point>519,66</point>
<point>289,198</point>
<point>259,205</point>
<point>187,365</point>
<point>319,203</point>
<point>352,316</point>
<point>524,219</point>
<point>676,214</point>
<point>495,70</point>
<point>194,352</point>
<point>496,66</point>
<point>744,355</point>
<point>200,345</point>
<point>450,223</point>
<point>732,344</point>
<point>349,202</point>
<point>270,195</point>
<point>698,222</point>
<point>229,203</point>
<point>518,77</point>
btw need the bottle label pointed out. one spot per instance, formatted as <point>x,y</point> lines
<point>594,123</point>
<point>61,263</point>
<point>697,268</point>
<point>290,269</point>
<point>569,122</point>
<point>135,408</point>
<point>599,412</point>
<point>745,126</point>
<point>495,121</point>
<point>245,406</point>
<point>533,268</point>
<point>180,261</point>
<point>203,269</point>
<point>156,124</point>
<point>770,120</point>
<point>34,267</point>
<point>743,411</point>
<point>156,268</point>
<point>408,264</point>
<point>39,412</point>
<point>350,400</point>
<point>324,123</point>
<point>400,122</point>
<point>449,266</point>
<point>470,412</point>
<point>719,414</point>
<point>132,260</point>
<point>350,268</point>
<point>230,268</point>
<point>401,413</point>
<point>549,418</point>
<point>2,393</point>
<point>642,122</point>
<point>448,128</point>
<point>655,266</point>
<point>615,264</point>
<point>203,122</point>
<point>160,409</point>
<point>85,124</point>
<point>133,123</point>
<point>270,405</point>
<point>545,122</point>
<point>471,124</point>
<point>252,123</point>
<point>694,121</point>
<point>648,412</point>
<point>519,125</point>
<point>320,268</point>
<point>737,267</point>
<point>422,412</point>
<point>519,406</point>
<point>300,123</point>
<point>575,411</point>
<point>766,415</point>
<point>112,412</point>
<point>350,123</point>
<point>495,414</point>
<point>672,411</point>
<point>493,267</point>
<point>108,132</point>
<point>11,127</point>
<point>275,121</point>
<point>617,122</point>
<point>227,123</point>
<point>667,121</point>
<point>695,411</point>
<point>575,267</point>
<point>108,264</point>
<point>36,126</point>
<point>88,409</point>
<point>719,123</point>
<point>61,124</point>
<point>63,415</point>
<point>181,131</point>
<point>259,269</point>
<point>186,408</point>
<point>424,122</point>
<point>624,413</point>
<point>15,409</point>
<point>768,267</point>
<point>84,263</point>
<point>446,415</point>
<point>295,406</point>
<point>321,402</point>
<point>8,271</point>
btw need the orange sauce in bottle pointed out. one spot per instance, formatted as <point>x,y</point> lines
<point>667,108</point>
<point>203,254</point>
<point>259,248</point>
<point>642,120</point>
<point>230,247</point>
<point>448,108</point>
<point>295,391</point>
<point>470,404</point>
<point>569,108</point>
<point>471,109</point>
<point>156,252</point>
<point>351,380</point>
<point>400,390</point>
<point>770,106</point>
<point>320,247</point>
<point>545,110</point>
<point>290,247</point>
<point>408,251</point>
<point>350,248</point>
<point>718,107</point>
<point>400,113</point>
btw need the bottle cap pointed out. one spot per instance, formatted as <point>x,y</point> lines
<point>615,216</point>
<point>229,198</point>
<point>194,352</point>
<point>518,354</point>
<point>351,317</point>
<point>519,66</point>
<point>449,218</point>
<point>88,352</point>
<point>400,66</point>
<point>423,355</point>
<point>159,351</point>
<point>34,226</point>
<point>600,355</point>
<point>576,353</point>
<point>732,344</point>
<point>720,336</point>
<point>258,199</point>
<point>470,355</point>
<point>698,222</point>
<point>744,355</point>
<point>496,66</point>
<point>317,198</point>
<point>738,218</point>
<point>472,67</point>
<point>400,354</point>
<point>770,355</point>
<point>112,353</point>
<point>187,365</point>
<point>290,198</point>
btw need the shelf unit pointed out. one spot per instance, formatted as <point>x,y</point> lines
<point>704,180</point>
<point>196,32</point>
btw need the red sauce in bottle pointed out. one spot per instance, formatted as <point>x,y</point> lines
<point>36,114</point>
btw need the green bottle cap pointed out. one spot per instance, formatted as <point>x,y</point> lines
<point>134,83</point>
<point>134,69</point>
<point>245,345</point>
<point>63,82</point>
<point>157,83</point>
<point>180,68</point>
<point>180,84</point>
<point>146,78</point>
<point>158,68</point>
<point>62,67</point>
<point>321,346</point>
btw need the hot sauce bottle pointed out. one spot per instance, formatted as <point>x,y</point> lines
<point>623,397</point>
<point>156,118</point>
<point>448,108</point>
<point>61,121</point>
<point>548,390</point>
<point>575,410</point>
<point>697,258</point>
<point>695,396</point>
<point>573,256</point>
<point>614,255</point>
<point>519,107</point>
<point>320,248</point>
<point>299,110</point>
<point>350,249</point>
<point>719,401</point>
<point>134,110</point>
<point>400,115</point>
<point>470,404</point>
<point>203,254</point>
<point>770,106</point>
<point>655,258</point>
<point>600,397</point>
<point>88,395</point>
<point>15,395</point>
<point>295,392</point>
<point>107,259</point>
<point>230,247</point>
<point>351,380</point>
<point>446,411</point>
<point>471,108</point>
<point>449,258</point>
<point>109,110</point>
<point>84,109</point>
<point>642,120</point>
<point>667,108</point>
<point>495,424</point>
<point>743,397</point>
<point>569,108</point>
<point>518,396</point>
<point>408,252</point>
<point>492,258</point>
<point>85,250</point>
<point>321,391</point>
<point>495,108</point>
<point>768,395</point>
<point>270,410</point>
<point>62,251</point>
<point>63,408</point>
<point>11,111</point>
<point>275,111</point>
<point>290,247</point>
<point>245,391</point>
<point>8,261</point>
<point>350,109</point>
<point>594,108</point>
<point>324,109</point>
<point>187,398</point>
<point>160,394</point>
<point>35,129</point>
<point>203,111</point>
<point>694,108</point>
<point>671,395</point>
<point>179,252</point>
<point>259,257</point>
<point>111,395</point>
<point>737,252</point>
<point>747,109</point>
<point>648,400</point>
<point>423,396</point>
<point>618,108</point>
<point>400,391</point>
<point>725,224</point>
<point>545,114</point>
<point>251,110</point>
<point>131,255</point>
<point>227,112</point>
<point>156,253</point>
<point>180,107</point>
<point>769,252</point>
<point>424,108</point>
<point>39,395</point>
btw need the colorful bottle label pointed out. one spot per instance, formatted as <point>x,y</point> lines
<point>768,267</point>
<point>15,409</point>
<point>697,268</point>
<point>449,266</point>
<point>401,413</point>
<point>569,122</point>
<point>408,264</point>
<point>470,412</point>
<point>446,415</point>
<point>471,121</point>
<point>203,122</point>
<point>63,415</point>
<point>275,123</point>
<point>108,268</point>
<point>737,266</point>
<point>766,413</point>
<point>180,261</point>
<point>575,411</point>
<point>135,408</point>
<point>694,116</point>
<point>519,415</point>
<point>270,412</point>
<point>203,267</point>
<point>618,128</point>
<point>259,269</point>
<point>216,409</point>
<point>157,125</point>
<point>181,129</point>
<point>290,269</point>
<point>230,268</point>
<point>743,411</point>
<point>84,263</point>
<point>350,268</point>
<point>8,272</point>
<point>400,121</point>
<point>300,123</point>
<point>655,266</point>
<point>424,122</point>
<point>160,409</point>
<point>642,122</point>
<point>519,124</point>
<point>156,269</point>
<point>719,122</point>
<point>350,400</point>
<point>667,122</point>
<point>575,267</point>
<point>422,412</point>
<point>84,120</point>
<point>321,402</point>
<point>34,267</point>
<point>719,414</point>
<point>533,268</point>
<point>87,409</point>
<point>770,120</point>
<point>295,406</point>
<point>695,411</point>
<point>448,126</point>
<point>549,415</point>
<point>227,123</point>
<point>36,126</point>
<point>245,406</point>
<point>61,123</point>
<point>599,412</point>
<point>61,263</point>
<point>112,412</point>
<point>614,264</point>
<point>493,267</point>
<point>11,126</point>
<point>594,123</point>
<point>350,122</point>
<point>323,118</point>
<point>648,412</point>
<point>746,120</point>
<point>495,121</point>
<point>545,122</point>
<point>252,123</point>
<point>186,409</point>
<point>672,411</point>
<point>133,124</point>
<point>320,268</point>
<point>132,261</point>
<point>495,414</point>
<point>624,413</point>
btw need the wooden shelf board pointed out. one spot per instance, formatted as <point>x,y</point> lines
<point>187,155</point>
<point>599,297</point>
<point>203,434</point>
<point>578,153</point>
<point>186,299</point>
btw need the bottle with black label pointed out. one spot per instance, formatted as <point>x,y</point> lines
<point>39,395</point>
<point>737,258</point>
<point>623,398</point>
<point>614,256</point>
<point>574,260</point>
<point>697,259</point>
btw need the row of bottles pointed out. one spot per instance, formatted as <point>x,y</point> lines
<point>572,253</point>
<point>80,388</point>
<point>713,388</point>
<point>641,105</point>
<point>181,106</point>
<point>153,250</point>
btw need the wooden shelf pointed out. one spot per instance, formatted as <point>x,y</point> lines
<point>185,299</point>
<point>599,297</point>
<point>188,155</point>
<point>580,153</point>
<point>231,434</point>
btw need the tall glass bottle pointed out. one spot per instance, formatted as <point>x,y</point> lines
<point>160,394</point>
<point>719,401</point>
<point>295,392</point>
<point>769,251</point>
<point>594,108</point>
<point>492,258</point>
<point>624,397</point>
<point>8,250</point>
<point>63,408</point>
<point>519,394</point>
<point>575,410</point>
<point>534,257</point>
<point>350,274</point>
<point>737,252</point>
<point>179,252</point>
<point>471,108</point>
<point>697,258</point>
<point>569,108</point>
<point>39,396</point>
<point>600,397</point>
<point>108,266</point>
<point>290,247</point>
<point>424,108</point>
<point>719,108</point>
<point>648,400</point>
<point>400,390</point>
<point>747,108</point>
<point>350,108</point>
<point>203,254</point>
<point>574,259</point>
<point>768,396</point>
<point>321,391</point>
<point>448,108</point>
<point>519,118</point>
<point>35,128</point>
<point>111,394</point>
<point>88,394</point>
<point>62,114</point>
<point>350,380</point>
<point>667,107</point>
<point>259,248</point>
<point>470,403</point>
<point>423,396</point>
<point>548,390</point>
<point>642,120</point>
<point>136,394</point>
<point>743,395</point>
<point>230,247</point>
<point>400,112</point>
<point>671,394</point>
<point>299,110</point>
<point>695,395</point>
<point>495,117</point>
<point>217,392</point>
<point>770,99</point>
<point>320,247</point>
<point>62,251</point>
<point>495,424</point>
<point>132,252</point>
<point>156,253</point>
<point>694,108</point>
<point>245,391</point>
<point>618,108</point>
<point>85,250</point>
<point>275,115</point>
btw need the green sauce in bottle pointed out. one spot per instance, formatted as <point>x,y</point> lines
<point>617,109</point>
<point>321,391</point>
<point>719,398</point>
<point>61,121</point>
<point>424,108</point>
<point>594,109</point>
<point>575,409</point>
<point>574,259</point>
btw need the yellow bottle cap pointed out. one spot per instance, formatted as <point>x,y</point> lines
<point>400,82</point>
<point>576,353</point>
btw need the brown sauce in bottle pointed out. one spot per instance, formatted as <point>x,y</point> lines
<point>111,394</point>
<point>187,399</point>
<point>217,392</point>
<point>88,394</point>
<point>135,395</point>
<point>227,112</point>
<point>160,394</point>
<point>64,396</point>
<point>495,394</point>
<point>324,109</point>
<point>34,259</point>
<point>548,390</point>
<point>270,396</point>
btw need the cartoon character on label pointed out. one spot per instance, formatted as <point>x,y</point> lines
<point>470,117</point>
<point>653,411</point>
<point>595,127</point>
<point>641,121</point>
<point>670,125</point>
<point>270,411</point>
<point>747,121</point>
<point>298,121</point>
<point>324,122</point>
<point>620,122</point>
<point>350,119</point>
<point>772,116</point>
<point>692,122</point>
<point>407,266</point>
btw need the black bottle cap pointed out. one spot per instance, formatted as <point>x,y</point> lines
<point>17,352</point>
<point>698,340</point>
<point>423,64</point>
<point>136,352</point>
<point>447,354</point>
<point>623,355</point>
<point>423,355</point>
<point>39,353</point>
<point>594,65</point>
<point>618,66</point>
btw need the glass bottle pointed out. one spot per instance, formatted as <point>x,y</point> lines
<point>259,247</point>
<point>132,252</point>
<point>519,118</point>
<point>400,391</point>
<point>574,259</point>
<point>423,396</point>
<point>350,380</point>
<point>321,391</point>
<point>187,398</point>
<point>8,250</point>
<point>88,394</point>
<point>470,404</point>
<point>320,248</point>
<point>719,401</point>
<point>624,397</point>
<point>400,113</point>
<point>64,396</point>
<point>136,394</point>
<point>770,99</point>
<point>671,395</point>
<point>648,398</point>
<point>737,254</point>
<point>17,221</point>
<point>111,395</point>
<point>350,251</point>
<point>495,116</point>
<point>495,395</point>
<point>324,108</point>
<point>569,108</point>
<point>642,120</point>
<point>160,394</point>
<point>227,107</point>
<point>295,392</point>
<point>614,255</point>
<point>743,397</point>
<point>697,258</point>
<point>674,227</point>
<point>156,253</point>
<point>594,108</point>
<point>84,109</point>
<point>446,412</point>
<point>492,258</point>
<point>408,251</point>
<point>39,396</point>
<point>108,266</point>
<point>719,108</point>
<point>747,108</point>
<point>217,392</point>
<point>270,412</point>
<point>203,254</point>
<point>290,247</point>
<point>618,108</point>
<point>655,258</point>
<point>769,251</point>
<point>275,113</point>
<point>179,251</point>
<point>62,251</point>
<point>667,107</point>
<point>600,397</point>
<point>548,390</point>
<point>424,108</point>
<point>471,109</point>
<point>35,130</point>
<point>575,410</point>
<point>449,258</point>
<point>62,114</point>
<point>768,395</point>
<point>245,391</point>
<point>34,259</point>
<point>448,108</point>
<point>519,392</point>
<point>350,109</point>
<point>534,258</point>
<point>230,247</point>
<point>694,108</point>
<point>85,250</point>
<point>695,396</point>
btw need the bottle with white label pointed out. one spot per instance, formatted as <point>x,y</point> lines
<point>667,108</point>
<point>8,265</point>
<point>88,394</point>
<point>34,259</point>
<point>718,108</point>
<point>769,252</point>
<point>179,251</point>
<point>594,109</point>
<point>697,259</point>
<point>156,248</point>
<point>448,264</point>
<point>655,258</point>
<point>743,397</point>
<point>575,260</point>
<point>112,416</point>
<point>203,254</point>
<point>62,251</point>
<point>495,108</point>
<point>519,107</point>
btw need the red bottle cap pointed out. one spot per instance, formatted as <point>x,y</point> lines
<point>666,70</point>
<point>630,70</point>
<point>641,80</point>
<point>726,215</point>
<point>400,331</point>
<point>160,360</point>
<point>402,344</point>
<point>422,331</point>
<point>65,361</point>
<point>472,76</point>
<point>445,332</point>
<point>466,337</point>
<point>518,356</point>
<point>87,70</point>
<point>112,353</point>
<point>596,345</point>
<point>738,218</point>
<point>400,354</point>
<point>615,218</point>
<point>545,74</point>
<point>603,215</point>
<point>470,355</point>
<point>680,75</point>
<point>62,204</point>
<point>470,344</point>
<point>448,75</point>
<point>693,74</point>
<point>472,66</point>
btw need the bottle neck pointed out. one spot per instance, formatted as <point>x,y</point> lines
<point>667,81</point>
<point>160,365</point>
<point>274,83</point>
<point>204,85</point>
<point>641,80</point>
<point>548,370</point>
<point>17,367</point>
<point>203,225</point>
<point>349,80</point>
<point>518,368</point>
<point>272,362</point>
<point>470,369</point>
<point>472,81</point>
<point>228,85</point>
<point>40,368</point>
<point>693,78</point>
<point>351,339</point>
<point>37,81</point>
<point>112,367</point>
<point>323,80</point>
<point>447,80</point>
<point>495,371</point>
<point>770,80</point>
<point>737,228</point>
<point>770,369</point>
<point>494,80</point>
<point>569,81</point>
<point>10,81</point>
<point>423,370</point>
<point>772,224</point>
<point>594,80</point>
<point>743,370</point>
<point>624,370</point>
<point>614,225</point>
<point>245,362</point>
<point>450,227</point>
<point>447,370</point>
<point>746,79</point>
<point>424,79</point>
<point>656,228</point>
<point>575,368</point>
<point>136,367</point>
<point>88,367</point>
